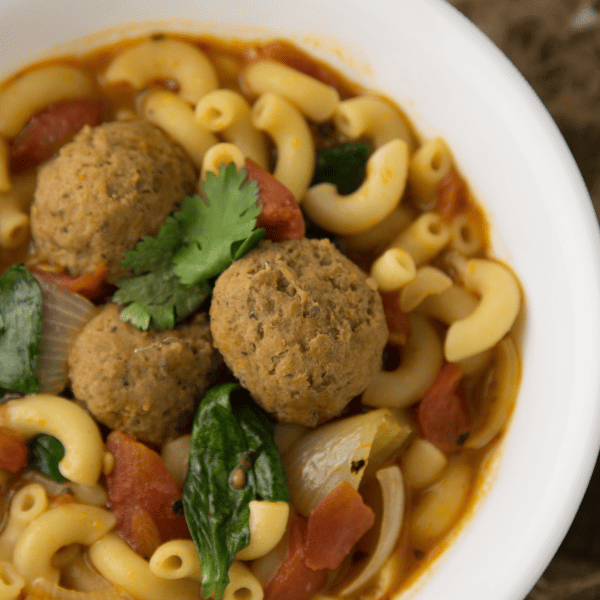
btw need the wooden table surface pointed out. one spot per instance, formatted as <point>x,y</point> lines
<point>556,46</point>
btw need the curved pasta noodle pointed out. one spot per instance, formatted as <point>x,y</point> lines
<point>493,316</point>
<point>293,139</point>
<point>502,391</point>
<point>229,114</point>
<point>427,281</point>
<point>37,89</point>
<point>14,211</point>
<point>54,529</point>
<point>118,563</point>
<point>394,269</point>
<point>422,463</point>
<point>424,238</point>
<point>371,117</point>
<point>464,237</point>
<point>379,194</point>
<point>313,98</point>
<point>175,116</point>
<point>268,523</point>
<point>428,166</point>
<point>68,422</point>
<point>27,504</point>
<point>220,154</point>
<point>4,166</point>
<point>453,304</point>
<point>242,584</point>
<point>421,362</point>
<point>441,504</point>
<point>165,59</point>
<point>11,583</point>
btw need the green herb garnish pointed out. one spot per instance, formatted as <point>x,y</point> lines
<point>198,242</point>
<point>20,331</point>
<point>44,454</point>
<point>233,460</point>
<point>345,166</point>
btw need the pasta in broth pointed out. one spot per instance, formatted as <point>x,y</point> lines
<point>380,452</point>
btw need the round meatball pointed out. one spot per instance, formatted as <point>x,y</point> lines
<point>146,383</point>
<point>108,188</point>
<point>300,326</point>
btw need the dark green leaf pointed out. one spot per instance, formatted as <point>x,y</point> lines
<point>224,440</point>
<point>45,452</point>
<point>344,166</point>
<point>20,330</point>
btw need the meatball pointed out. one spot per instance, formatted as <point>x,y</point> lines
<point>300,326</point>
<point>108,188</point>
<point>146,383</point>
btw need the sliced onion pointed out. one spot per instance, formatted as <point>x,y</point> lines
<point>41,589</point>
<point>393,498</point>
<point>343,451</point>
<point>64,314</point>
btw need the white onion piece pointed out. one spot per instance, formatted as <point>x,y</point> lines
<point>393,498</point>
<point>64,314</point>
<point>342,451</point>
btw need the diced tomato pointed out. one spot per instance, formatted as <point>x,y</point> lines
<point>335,524</point>
<point>281,216</point>
<point>442,416</point>
<point>13,450</point>
<point>141,492</point>
<point>294,579</point>
<point>451,196</point>
<point>90,285</point>
<point>396,318</point>
<point>50,129</point>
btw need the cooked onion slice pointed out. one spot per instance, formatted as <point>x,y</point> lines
<point>342,451</point>
<point>393,497</point>
<point>64,315</point>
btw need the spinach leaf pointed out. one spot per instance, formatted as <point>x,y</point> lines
<point>345,166</point>
<point>20,330</point>
<point>228,439</point>
<point>44,454</point>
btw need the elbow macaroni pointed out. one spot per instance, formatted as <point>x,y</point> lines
<point>165,59</point>
<point>375,199</point>
<point>228,113</point>
<point>68,422</point>
<point>11,583</point>
<point>394,269</point>
<point>313,98</point>
<point>428,166</point>
<point>293,139</point>
<point>14,211</point>
<point>220,154</point>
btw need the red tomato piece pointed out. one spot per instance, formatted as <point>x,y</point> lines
<point>441,415</point>
<point>90,285</point>
<point>141,492</point>
<point>294,579</point>
<point>396,319</point>
<point>335,524</point>
<point>50,129</point>
<point>281,216</point>
<point>13,450</point>
<point>451,196</point>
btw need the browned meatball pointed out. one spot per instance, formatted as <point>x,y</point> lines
<point>107,189</point>
<point>301,327</point>
<point>144,383</point>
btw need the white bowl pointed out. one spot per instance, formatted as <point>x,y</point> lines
<point>452,82</point>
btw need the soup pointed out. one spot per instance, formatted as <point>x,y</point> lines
<point>256,343</point>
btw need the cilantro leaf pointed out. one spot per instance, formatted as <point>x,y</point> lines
<point>213,229</point>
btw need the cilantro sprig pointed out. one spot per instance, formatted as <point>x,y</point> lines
<point>173,269</point>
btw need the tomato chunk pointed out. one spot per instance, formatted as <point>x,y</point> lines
<point>142,492</point>
<point>281,216</point>
<point>13,450</point>
<point>396,319</point>
<point>90,285</point>
<point>294,579</point>
<point>335,524</point>
<point>50,129</point>
<point>441,415</point>
<point>452,196</point>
